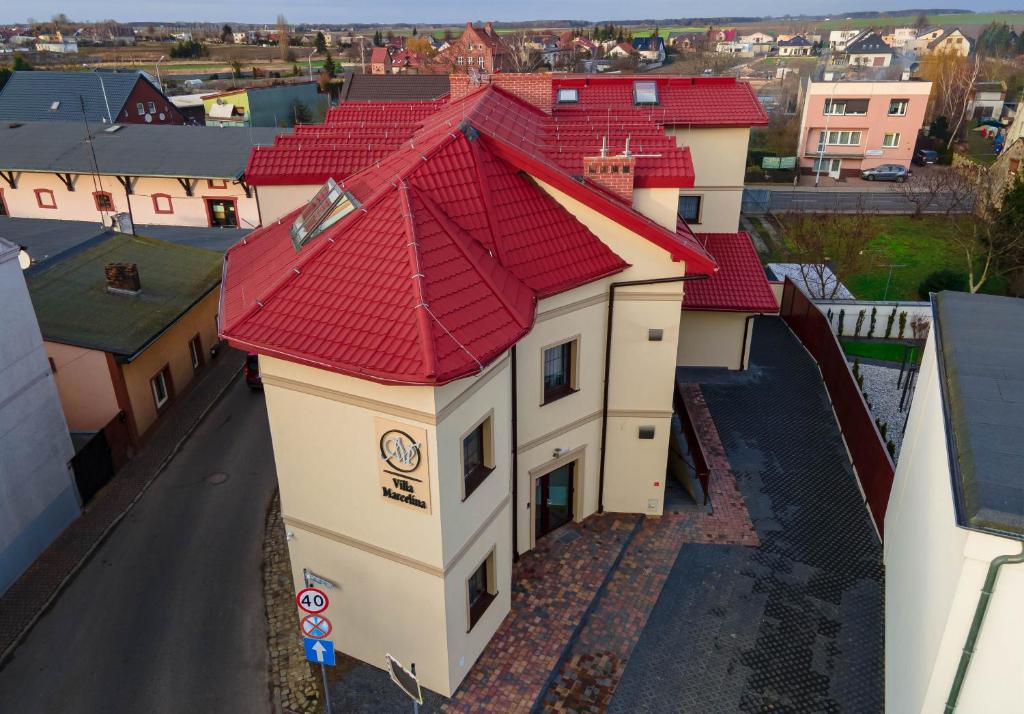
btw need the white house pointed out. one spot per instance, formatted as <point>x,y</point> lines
<point>796,46</point>
<point>954,557</point>
<point>837,39</point>
<point>38,498</point>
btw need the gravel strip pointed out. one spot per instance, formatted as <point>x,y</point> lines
<point>884,395</point>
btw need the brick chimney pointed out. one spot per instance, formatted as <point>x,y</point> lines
<point>123,278</point>
<point>612,173</point>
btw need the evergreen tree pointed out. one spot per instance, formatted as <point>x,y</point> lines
<point>329,68</point>
<point>320,43</point>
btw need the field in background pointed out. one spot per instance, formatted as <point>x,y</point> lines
<point>963,19</point>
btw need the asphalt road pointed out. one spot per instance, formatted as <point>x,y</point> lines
<point>168,615</point>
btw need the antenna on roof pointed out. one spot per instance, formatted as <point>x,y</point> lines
<point>626,152</point>
<point>604,146</point>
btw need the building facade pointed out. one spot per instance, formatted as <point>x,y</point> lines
<point>954,528</point>
<point>478,48</point>
<point>167,175</point>
<point>847,126</point>
<point>39,494</point>
<point>436,427</point>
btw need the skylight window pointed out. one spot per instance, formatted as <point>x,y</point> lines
<point>568,96</point>
<point>55,106</point>
<point>645,92</point>
<point>327,207</point>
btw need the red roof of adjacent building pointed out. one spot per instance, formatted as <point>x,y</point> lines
<point>379,55</point>
<point>740,284</point>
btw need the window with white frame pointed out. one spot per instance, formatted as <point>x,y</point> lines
<point>458,60</point>
<point>568,95</point>
<point>140,108</point>
<point>161,388</point>
<point>846,107</point>
<point>891,139</point>
<point>840,138</point>
<point>480,62</point>
<point>898,107</point>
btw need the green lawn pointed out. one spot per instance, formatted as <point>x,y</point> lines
<point>979,148</point>
<point>964,18</point>
<point>890,351</point>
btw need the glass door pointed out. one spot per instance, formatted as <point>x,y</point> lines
<point>553,500</point>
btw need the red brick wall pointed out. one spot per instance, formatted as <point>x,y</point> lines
<point>145,92</point>
<point>532,88</point>
<point>613,173</point>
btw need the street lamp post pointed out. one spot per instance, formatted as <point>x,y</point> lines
<point>158,80</point>
<point>309,61</point>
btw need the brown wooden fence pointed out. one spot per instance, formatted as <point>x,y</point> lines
<point>871,459</point>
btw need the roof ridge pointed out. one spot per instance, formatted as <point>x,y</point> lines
<point>426,337</point>
<point>463,241</point>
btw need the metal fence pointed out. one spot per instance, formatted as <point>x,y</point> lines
<point>786,200</point>
<point>874,466</point>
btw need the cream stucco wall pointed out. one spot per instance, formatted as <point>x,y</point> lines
<point>277,201</point>
<point>719,162</point>
<point>934,574</point>
<point>79,205</point>
<point>659,204</point>
<point>172,349</point>
<point>714,339</point>
<point>84,385</point>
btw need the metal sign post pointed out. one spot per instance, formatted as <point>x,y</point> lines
<point>315,628</point>
<point>406,681</point>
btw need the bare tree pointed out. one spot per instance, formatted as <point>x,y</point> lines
<point>938,190</point>
<point>953,78</point>
<point>521,55</point>
<point>828,246</point>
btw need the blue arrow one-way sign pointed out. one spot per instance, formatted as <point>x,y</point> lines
<point>319,651</point>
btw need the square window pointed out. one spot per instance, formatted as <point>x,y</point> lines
<point>481,590</point>
<point>689,208</point>
<point>645,92</point>
<point>160,384</point>
<point>477,456</point>
<point>45,198</point>
<point>568,96</point>
<point>217,183</point>
<point>898,107</point>
<point>222,213</point>
<point>162,203</point>
<point>891,139</point>
<point>104,201</point>
<point>559,371</point>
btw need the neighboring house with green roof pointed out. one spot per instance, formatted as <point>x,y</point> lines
<point>127,323</point>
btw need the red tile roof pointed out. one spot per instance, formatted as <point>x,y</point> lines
<point>435,276</point>
<point>739,285</point>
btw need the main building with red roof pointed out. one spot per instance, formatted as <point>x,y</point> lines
<point>469,313</point>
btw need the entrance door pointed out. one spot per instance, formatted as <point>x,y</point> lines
<point>834,168</point>
<point>552,500</point>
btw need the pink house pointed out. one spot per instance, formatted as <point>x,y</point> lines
<point>848,126</point>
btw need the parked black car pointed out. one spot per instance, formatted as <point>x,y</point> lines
<point>886,172</point>
<point>923,157</point>
<point>252,371</point>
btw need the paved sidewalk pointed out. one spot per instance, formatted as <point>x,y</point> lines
<point>33,593</point>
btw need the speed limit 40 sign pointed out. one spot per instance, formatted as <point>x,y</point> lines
<point>312,600</point>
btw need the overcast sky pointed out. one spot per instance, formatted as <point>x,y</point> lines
<point>439,11</point>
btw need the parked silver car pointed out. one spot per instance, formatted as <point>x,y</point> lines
<point>886,172</point>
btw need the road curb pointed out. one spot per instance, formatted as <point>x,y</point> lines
<point>73,573</point>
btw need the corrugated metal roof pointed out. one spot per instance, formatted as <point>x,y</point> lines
<point>74,306</point>
<point>30,96</point>
<point>394,87</point>
<point>132,150</point>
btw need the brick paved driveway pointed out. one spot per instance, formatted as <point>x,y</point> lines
<point>795,624</point>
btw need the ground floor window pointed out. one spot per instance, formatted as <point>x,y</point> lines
<point>162,203</point>
<point>161,386</point>
<point>481,590</point>
<point>195,350</point>
<point>553,499</point>
<point>104,201</point>
<point>222,212</point>
<point>689,208</point>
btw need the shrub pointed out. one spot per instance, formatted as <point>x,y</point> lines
<point>903,323</point>
<point>860,322</point>
<point>871,327</point>
<point>888,323</point>
<point>842,319</point>
<point>891,447</point>
<point>942,280</point>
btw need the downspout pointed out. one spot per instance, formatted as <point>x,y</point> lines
<point>515,459</point>
<point>979,617</point>
<point>608,365</point>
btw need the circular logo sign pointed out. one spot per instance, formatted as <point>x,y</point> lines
<point>312,600</point>
<point>400,451</point>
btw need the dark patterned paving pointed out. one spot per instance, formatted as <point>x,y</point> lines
<point>796,624</point>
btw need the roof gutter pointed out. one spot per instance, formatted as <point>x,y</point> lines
<point>979,617</point>
<point>608,365</point>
